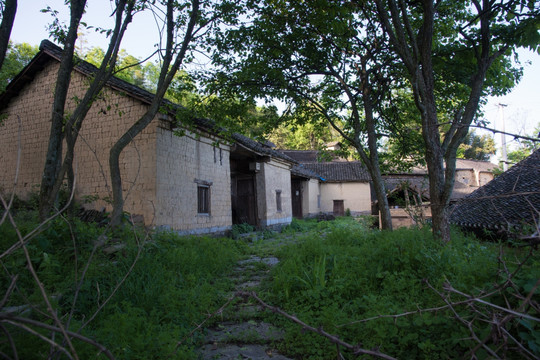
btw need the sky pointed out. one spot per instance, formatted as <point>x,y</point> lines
<point>521,113</point>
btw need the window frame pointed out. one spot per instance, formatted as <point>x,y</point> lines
<point>204,197</point>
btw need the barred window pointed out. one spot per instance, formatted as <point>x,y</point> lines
<point>278,200</point>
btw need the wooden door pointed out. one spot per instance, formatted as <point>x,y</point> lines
<point>339,208</point>
<point>296,188</point>
<point>245,204</point>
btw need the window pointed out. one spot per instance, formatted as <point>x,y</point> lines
<point>203,196</point>
<point>203,199</point>
<point>278,200</point>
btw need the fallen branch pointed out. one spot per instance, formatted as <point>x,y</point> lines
<point>356,349</point>
<point>18,321</point>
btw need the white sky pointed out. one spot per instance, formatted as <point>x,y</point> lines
<point>521,113</point>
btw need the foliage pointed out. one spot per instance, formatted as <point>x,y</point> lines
<point>17,57</point>
<point>238,229</point>
<point>335,281</point>
<point>476,147</point>
<point>299,134</point>
<point>146,75</point>
<point>172,286</point>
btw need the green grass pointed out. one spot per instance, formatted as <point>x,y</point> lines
<point>350,273</point>
<point>172,287</point>
<point>330,275</point>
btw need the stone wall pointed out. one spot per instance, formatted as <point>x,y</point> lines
<point>182,164</point>
<point>356,197</point>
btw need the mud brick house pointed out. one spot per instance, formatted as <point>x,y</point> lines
<point>509,204</point>
<point>329,187</point>
<point>196,183</point>
<point>325,183</point>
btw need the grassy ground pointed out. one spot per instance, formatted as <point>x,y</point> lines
<point>333,275</point>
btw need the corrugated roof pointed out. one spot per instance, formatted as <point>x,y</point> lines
<point>343,171</point>
<point>49,51</point>
<point>506,202</point>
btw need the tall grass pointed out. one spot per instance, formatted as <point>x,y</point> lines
<point>174,284</point>
<point>351,274</point>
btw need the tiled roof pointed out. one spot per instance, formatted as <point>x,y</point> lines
<point>302,156</point>
<point>311,156</point>
<point>420,184</point>
<point>302,171</point>
<point>261,148</point>
<point>49,50</point>
<point>506,202</point>
<point>340,171</point>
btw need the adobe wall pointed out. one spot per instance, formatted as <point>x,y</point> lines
<point>356,197</point>
<point>310,194</point>
<point>274,176</point>
<point>108,118</point>
<point>484,177</point>
<point>466,177</point>
<point>181,163</point>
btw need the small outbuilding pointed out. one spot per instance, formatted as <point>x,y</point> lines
<point>507,205</point>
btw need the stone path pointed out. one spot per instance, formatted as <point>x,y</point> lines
<point>242,334</point>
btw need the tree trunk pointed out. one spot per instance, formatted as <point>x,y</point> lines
<point>53,157</point>
<point>382,200</point>
<point>74,124</point>
<point>165,78</point>
<point>376,176</point>
<point>8,18</point>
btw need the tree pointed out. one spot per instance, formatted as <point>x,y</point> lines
<point>17,57</point>
<point>303,136</point>
<point>192,19</point>
<point>461,41</point>
<point>8,9</point>
<point>327,58</point>
<point>55,167</point>
<point>476,147</point>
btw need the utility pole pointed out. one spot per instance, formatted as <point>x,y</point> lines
<point>503,136</point>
